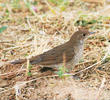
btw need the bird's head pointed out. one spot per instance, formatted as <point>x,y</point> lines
<point>80,35</point>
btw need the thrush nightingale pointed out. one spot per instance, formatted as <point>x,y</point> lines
<point>73,50</point>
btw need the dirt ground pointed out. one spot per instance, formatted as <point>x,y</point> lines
<point>31,32</point>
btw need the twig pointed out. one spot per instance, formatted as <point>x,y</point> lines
<point>100,89</point>
<point>29,24</point>
<point>35,44</point>
<point>27,70</point>
<point>8,41</point>
<point>16,47</point>
<point>13,72</point>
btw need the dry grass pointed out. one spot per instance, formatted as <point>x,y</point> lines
<point>29,35</point>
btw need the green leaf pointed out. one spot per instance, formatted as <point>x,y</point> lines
<point>92,21</point>
<point>81,23</point>
<point>108,18</point>
<point>3,28</point>
<point>84,16</point>
<point>29,74</point>
<point>35,3</point>
<point>26,55</point>
<point>60,73</point>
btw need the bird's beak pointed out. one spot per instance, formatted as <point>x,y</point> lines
<point>92,32</point>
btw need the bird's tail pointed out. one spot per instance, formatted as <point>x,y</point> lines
<point>33,60</point>
<point>20,61</point>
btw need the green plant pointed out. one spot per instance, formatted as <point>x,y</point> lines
<point>16,4</point>
<point>106,60</point>
<point>3,28</point>
<point>62,71</point>
<point>29,6</point>
<point>62,4</point>
<point>29,70</point>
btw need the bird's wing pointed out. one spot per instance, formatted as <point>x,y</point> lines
<point>53,56</point>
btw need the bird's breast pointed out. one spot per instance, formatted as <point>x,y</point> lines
<point>78,54</point>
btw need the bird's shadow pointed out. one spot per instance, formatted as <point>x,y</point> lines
<point>45,69</point>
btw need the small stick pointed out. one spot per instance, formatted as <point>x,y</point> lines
<point>64,62</point>
<point>27,70</point>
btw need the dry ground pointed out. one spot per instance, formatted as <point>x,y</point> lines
<point>28,35</point>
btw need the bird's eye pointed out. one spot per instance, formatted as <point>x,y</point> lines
<point>84,34</point>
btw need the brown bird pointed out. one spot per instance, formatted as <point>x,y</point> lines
<point>73,50</point>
